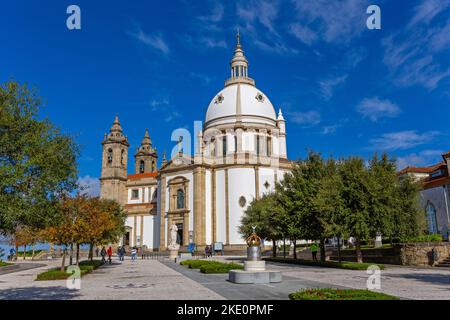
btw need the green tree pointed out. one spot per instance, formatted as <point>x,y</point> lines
<point>265,215</point>
<point>37,161</point>
<point>409,219</point>
<point>383,200</point>
<point>356,200</point>
<point>329,205</point>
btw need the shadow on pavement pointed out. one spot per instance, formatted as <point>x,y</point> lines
<point>36,293</point>
<point>440,279</point>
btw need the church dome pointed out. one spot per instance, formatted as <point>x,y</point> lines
<point>240,101</point>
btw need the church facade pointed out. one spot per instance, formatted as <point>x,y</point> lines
<point>239,155</point>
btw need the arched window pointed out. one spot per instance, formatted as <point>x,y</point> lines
<point>180,199</point>
<point>153,166</point>
<point>122,157</point>
<point>431,218</point>
<point>141,166</point>
<point>110,156</point>
<point>224,146</point>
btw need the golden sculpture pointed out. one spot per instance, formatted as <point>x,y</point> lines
<point>253,240</point>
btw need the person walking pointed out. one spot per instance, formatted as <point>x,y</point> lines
<point>313,249</point>
<point>109,252</point>
<point>133,253</point>
<point>96,251</point>
<point>122,253</point>
<point>103,254</point>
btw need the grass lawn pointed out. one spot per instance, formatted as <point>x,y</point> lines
<point>86,267</point>
<point>4,264</point>
<point>208,266</point>
<point>28,253</point>
<point>337,294</point>
<point>328,264</point>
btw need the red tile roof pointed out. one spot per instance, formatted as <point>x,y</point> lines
<point>421,169</point>
<point>142,175</point>
<point>436,182</point>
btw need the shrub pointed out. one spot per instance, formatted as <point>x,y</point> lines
<point>337,294</point>
<point>4,264</point>
<point>196,264</point>
<point>94,263</point>
<point>328,264</point>
<point>423,238</point>
<point>56,274</point>
<point>220,267</point>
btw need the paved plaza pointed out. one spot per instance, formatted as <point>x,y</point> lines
<point>165,280</point>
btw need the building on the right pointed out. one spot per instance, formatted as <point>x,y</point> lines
<point>435,194</point>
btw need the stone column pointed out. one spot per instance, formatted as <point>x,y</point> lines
<point>162,229</point>
<point>199,206</point>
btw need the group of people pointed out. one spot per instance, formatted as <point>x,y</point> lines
<point>120,253</point>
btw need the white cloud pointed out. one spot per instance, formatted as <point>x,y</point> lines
<point>154,41</point>
<point>203,78</point>
<point>375,108</point>
<point>309,118</point>
<point>259,20</point>
<point>216,14</point>
<point>427,10</point>
<point>327,86</point>
<point>158,103</point>
<point>172,116</point>
<point>401,140</point>
<point>410,54</point>
<point>421,159</point>
<point>303,33</point>
<point>89,185</point>
<point>335,21</point>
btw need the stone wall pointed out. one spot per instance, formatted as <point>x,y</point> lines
<point>419,254</point>
<point>415,254</point>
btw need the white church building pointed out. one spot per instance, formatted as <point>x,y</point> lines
<point>240,155</point>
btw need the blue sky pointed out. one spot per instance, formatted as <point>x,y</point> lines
<point>343,89</point>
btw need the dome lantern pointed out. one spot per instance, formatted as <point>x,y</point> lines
<point>239,65</point>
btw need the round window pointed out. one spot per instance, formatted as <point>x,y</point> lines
<point>242,201</point>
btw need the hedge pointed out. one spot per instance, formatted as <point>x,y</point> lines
<point>338,294</point>
<point>328,264</point>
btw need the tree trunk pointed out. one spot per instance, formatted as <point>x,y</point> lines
<point>284,248</point>
<point>63,264</point>
<point>91,251</point>
<point>339,250</point>
<point>295,249</point>
<point>71,254</point>
<point>78,254</point>
<point>274,248</point>
<point>32,254</point>
<point>17,250</point>
<point>322,249</point>
<point>24,251</point>
<point>359,257</point>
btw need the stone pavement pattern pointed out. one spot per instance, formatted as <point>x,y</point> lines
<point>165,280</point>
<point>403,282</point>
<point>137,280</point>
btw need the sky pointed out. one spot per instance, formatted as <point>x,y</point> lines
<point>344,89</point>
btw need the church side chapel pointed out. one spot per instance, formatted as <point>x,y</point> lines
<point>240,155</point>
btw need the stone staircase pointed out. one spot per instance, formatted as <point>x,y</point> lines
<point>444,263</point>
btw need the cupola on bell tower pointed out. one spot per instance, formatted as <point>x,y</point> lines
<point>146,156</point>
<point>114,164</point>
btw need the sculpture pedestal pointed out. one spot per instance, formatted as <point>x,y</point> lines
<point>173,253</point>
<point>249,277</point>
<point>255,265</point>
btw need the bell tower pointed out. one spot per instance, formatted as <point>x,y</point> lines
<point>114,164</point>
<point>145,159</point>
